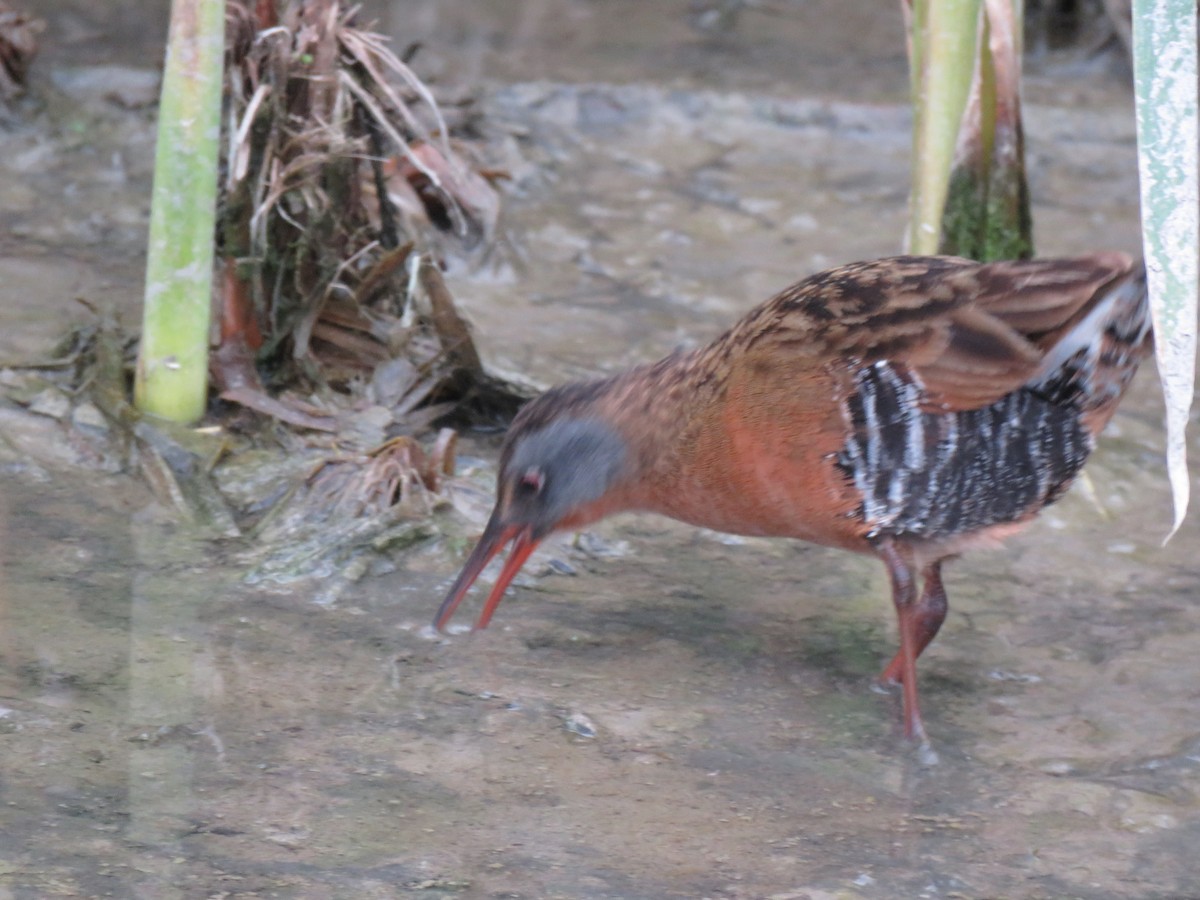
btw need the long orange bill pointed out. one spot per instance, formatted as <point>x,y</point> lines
<point>495,537</point>
<point>522,547</point>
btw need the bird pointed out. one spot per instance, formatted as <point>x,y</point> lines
<point>909,408</point>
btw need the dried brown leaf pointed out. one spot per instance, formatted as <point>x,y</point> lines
<point>278,409</point>
<point>452,328</point>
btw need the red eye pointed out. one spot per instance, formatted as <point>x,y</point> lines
<point>533,480</point>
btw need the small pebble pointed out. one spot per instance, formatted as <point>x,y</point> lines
<point>1057,767</point>
<point>578,723</point>
<point>561,567</point>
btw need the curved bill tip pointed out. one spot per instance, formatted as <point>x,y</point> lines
<point>495,537</point>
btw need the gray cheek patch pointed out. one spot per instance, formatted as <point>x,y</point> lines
<point>579,459</point>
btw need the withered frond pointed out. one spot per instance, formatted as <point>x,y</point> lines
<point>342,175</point>
<point>398,472</point>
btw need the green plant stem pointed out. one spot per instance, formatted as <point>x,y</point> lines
<point>943,39</point>
<point>172,371</point>
<point>986,215</point>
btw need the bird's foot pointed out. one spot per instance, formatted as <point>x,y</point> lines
<point>879,686</point>
<point>926,756</point>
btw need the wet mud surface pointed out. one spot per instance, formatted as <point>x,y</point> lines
<point>656,711</point>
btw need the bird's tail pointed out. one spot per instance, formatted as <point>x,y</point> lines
<point>1091,365</point>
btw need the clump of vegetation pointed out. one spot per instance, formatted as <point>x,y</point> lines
<point>339,354</point>
<point>345,185</point>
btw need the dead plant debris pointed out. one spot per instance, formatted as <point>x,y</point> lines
<point>346,189</point>
<point>18,46</point>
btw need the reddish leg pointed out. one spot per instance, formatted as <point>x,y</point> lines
<point>904,596</point>
<point>928,615</point>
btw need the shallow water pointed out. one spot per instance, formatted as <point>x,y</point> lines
<point>686,715</point>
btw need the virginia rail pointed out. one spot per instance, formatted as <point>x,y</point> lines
<point>911,408</point>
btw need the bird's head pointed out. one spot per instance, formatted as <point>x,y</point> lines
<point>552,475</point>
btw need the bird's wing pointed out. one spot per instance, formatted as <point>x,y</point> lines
<point>970,333</point>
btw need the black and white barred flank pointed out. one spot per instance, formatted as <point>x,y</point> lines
<point>940,474</point>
